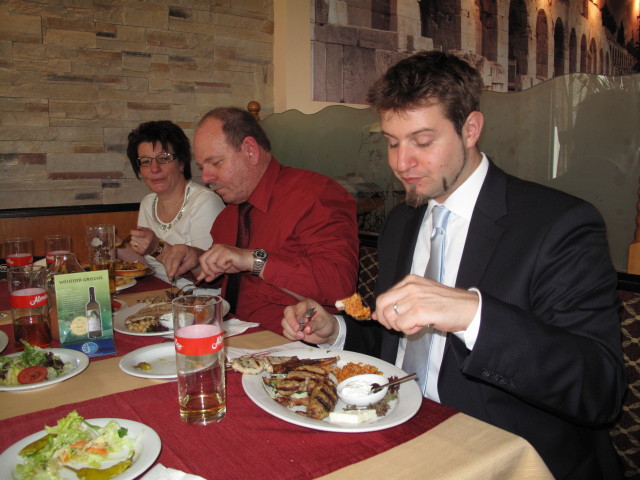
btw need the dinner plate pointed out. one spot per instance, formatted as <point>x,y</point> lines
<point>402,409</point>
<point>117,304</point>
<point>4,340</point>
<point>78,360</point>
<point>147,448</point>
<point>120,317</point>
<point>132,281</point>
<point>137,274</point>
<point>161,357</point>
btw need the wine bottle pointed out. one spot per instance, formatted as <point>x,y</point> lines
<point>94,319</point>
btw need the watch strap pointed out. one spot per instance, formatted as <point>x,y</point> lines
<point>158,250</point>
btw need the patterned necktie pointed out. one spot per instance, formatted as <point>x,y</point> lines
<point>416,357</point>
<point>242,241</point>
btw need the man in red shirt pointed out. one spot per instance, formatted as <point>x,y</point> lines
<point>302,227</point>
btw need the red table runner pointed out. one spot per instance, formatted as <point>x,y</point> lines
<point>247,443</point>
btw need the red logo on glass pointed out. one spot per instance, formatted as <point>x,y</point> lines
<point>29,298</point>
<point>199,339</point>
<point>19,259</point>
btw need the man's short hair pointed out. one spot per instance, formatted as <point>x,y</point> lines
<point>238,124</point>
<point>429,77</point>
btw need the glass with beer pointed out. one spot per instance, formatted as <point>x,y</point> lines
<point>200,359</point>
<point>101,241</point>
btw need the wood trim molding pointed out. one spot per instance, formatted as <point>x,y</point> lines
<point>70,210</point>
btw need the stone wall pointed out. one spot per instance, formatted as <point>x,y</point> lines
<point>77,76</point>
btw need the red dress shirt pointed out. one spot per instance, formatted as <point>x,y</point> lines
<point>307,224</point>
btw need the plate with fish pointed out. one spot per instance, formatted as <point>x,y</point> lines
<point>257,386</point>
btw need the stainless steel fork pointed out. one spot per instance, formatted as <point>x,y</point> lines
<point>305,318</point>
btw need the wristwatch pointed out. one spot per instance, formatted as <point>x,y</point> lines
<point>259,259</point>
<point>158,250</point>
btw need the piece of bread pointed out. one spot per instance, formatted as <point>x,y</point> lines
<point>247,365</point>
<point>254,365</point>
<point>354,307</point>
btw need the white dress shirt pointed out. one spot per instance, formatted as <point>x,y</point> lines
<point>461,203</point>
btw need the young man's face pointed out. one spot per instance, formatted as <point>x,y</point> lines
<point>426,153</point>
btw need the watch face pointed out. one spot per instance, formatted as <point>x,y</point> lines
<point>259,258</point>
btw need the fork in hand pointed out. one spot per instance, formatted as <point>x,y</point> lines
<point>305,318</point>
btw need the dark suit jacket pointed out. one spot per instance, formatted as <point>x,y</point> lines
<point>547,364</point>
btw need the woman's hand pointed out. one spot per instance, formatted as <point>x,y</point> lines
<point>143,240</point>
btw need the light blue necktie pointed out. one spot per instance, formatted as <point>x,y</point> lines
<point>416,356</point>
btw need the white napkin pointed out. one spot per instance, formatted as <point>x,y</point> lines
<point>238,352</point>
<point>160,472</point>
<point>234,326</point>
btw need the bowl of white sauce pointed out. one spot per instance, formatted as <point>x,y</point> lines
<point>356,390</point>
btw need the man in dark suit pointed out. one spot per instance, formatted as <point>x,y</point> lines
<point>520,326</point>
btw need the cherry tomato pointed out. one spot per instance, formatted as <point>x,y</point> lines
<point>32,374</point>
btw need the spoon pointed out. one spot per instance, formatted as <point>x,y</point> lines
<point>376,388</point>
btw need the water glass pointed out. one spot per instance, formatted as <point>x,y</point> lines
<point>200,358</point>
<point>18,251</point>
<point>56,244</point>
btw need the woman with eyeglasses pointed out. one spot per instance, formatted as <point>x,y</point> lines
<point>178,211</point>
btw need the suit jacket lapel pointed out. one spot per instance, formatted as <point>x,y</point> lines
<point>484,229</point>
<point>483,236</point>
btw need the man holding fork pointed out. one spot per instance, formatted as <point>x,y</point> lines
<point>498,292</point>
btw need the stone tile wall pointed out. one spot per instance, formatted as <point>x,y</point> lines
<point>77,76</point>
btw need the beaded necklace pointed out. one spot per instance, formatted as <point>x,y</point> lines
<point>167,226</point>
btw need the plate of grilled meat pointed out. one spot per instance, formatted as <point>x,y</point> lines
<point>299,387</point>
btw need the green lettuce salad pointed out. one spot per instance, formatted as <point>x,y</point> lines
<point>39,365</point>
<point>90,451</point>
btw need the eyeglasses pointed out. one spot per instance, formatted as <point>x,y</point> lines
<point>161,159</point>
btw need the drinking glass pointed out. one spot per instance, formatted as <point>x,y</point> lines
<point>200,359</point>
<point>56,244</point>
<point>19,251</point>
<point>29,305</point>
<point>101,241</point>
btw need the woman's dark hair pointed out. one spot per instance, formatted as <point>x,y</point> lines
<point>429,77</point>
<point>238,124</point>
<point>165,133</point>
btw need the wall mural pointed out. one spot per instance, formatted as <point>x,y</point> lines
<point>549,130</point>
<point>515,44</point>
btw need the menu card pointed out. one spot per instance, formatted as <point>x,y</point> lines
<point>83,304</point>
